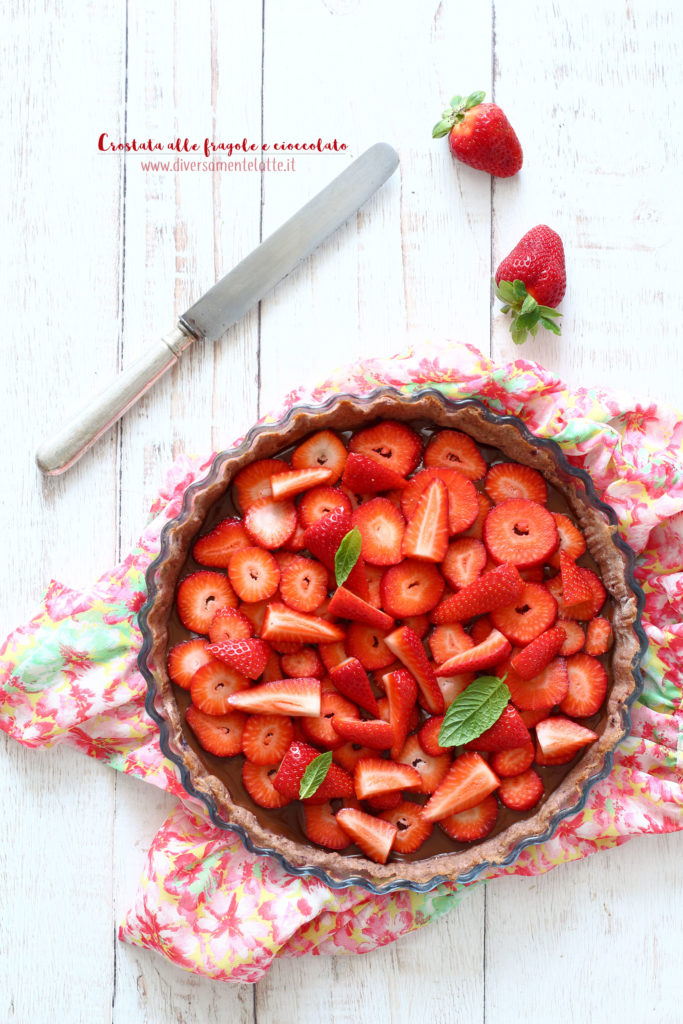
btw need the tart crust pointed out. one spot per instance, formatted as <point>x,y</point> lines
<point>343,413</point>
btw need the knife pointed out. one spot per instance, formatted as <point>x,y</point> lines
<point>225,303</point>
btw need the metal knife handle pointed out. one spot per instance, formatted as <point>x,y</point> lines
<point>61,451</point>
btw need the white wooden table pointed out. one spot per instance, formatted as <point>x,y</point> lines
<point>100,255</point>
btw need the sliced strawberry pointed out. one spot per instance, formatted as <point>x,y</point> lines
<point>520,532</point>
<point>411,588</point>
<point>521,792</point>
<point>367,644</point>
<point>349,754</point>
<point>575,589</point>
<point>211,686</point>
<point>430,767</point>
<point>572,541</point>
<point>533,574</point>
<point>426,535</point>
<point>407,647</point>
<point>598,637</point>
<point>319,502</point>
<point>428,736</point>
<point>322,450</point>
<point>373,574</point>
<point>270,523</point>
<point>347,605</point>
<point>505,734</point>
<point>544,762</point>
<point>531,614</point>
<point>506,763</point>
<point>296,697</point>
<point>382,528</point>
<point>373,733</point>
<point>253,482</point>
<point>452,686</point>
<point>186,658</point>
<point>490,652</point>
<point>469,780</point>
<point>332,654</point>
<point>284,559</point>
<point>321,827</point>
<point>320,730</point>
<point>303,584</point>
<point>254,574</point>
<point>464,562</point>
<point>452,449</point>
<point>364,475</point>
<point>230,624</point>
<point>532,718</point>
<point>390,443</point>
<point>296,542</point>
<point>374,836</point>
<point>351,679</point>
<point>258,782</point>
<point>420,624</point>
<point>199,597</point>
<point>266,738</point>
<point>533,658</point>
<point>384,801</point>
<point>476,530</point>
<point>248,657</point>
<point>337,783</point>
<point>218,546</point>
<point>586,609</point>
<point>512,480</point>
<point>305,662</point>
<point>587,686</point>
<point>463,505</point>
<point>574,637</point>
<point>255,611</point>
<point>401,691</point>
<point>374,775</point>
<point>495,589</point>
<point>295,481</point>
<point>385,711</point>
<point>558,736</point>
<point>412,828</point>
<point>218,734</point>
<point>545,690</point>
<point>475,823</point>
<point>284,624</point>
<point>273,669</point>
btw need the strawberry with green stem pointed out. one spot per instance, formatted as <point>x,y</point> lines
<point>531,282</point>
<point>480,135</point>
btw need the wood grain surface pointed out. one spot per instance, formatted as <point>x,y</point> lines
<point>100,256</point>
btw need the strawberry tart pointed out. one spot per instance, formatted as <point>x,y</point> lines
<point>391,640</point>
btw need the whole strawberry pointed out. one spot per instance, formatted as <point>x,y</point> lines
<point>480,135</point>
<point>531,281</point>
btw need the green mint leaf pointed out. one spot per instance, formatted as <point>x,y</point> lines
<point>474,711</point>
<point>315,775</point>
<point>347,555</point>
<point>474,99</point>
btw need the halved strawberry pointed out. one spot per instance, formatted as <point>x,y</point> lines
<point>258,782</point>
<point>384,801</point>
<point>454,450</point>
<point>495,589</point>
<point>296,697</point>
<point>464,562</point>
<point>390,443</point>
<point>373,733</point>
<point>513,480</point>
<point>374,836</point>
<point>574,637</point>
<point>295,481</point>
<point>475,823</point>
<point>367,644</point>
<point>420,624</point>
<point>337,783</point>
<point>469,780</point>
<point>218,734</point>
<point>521,792</point>
<point>303,584</point>
<point>323,539</point>
<point>586,609</point>
<point>273,669</point>
<point>506,763</point>
<point>532,718</point>
<point>199,597</point>
<point>246,656</point>
<point>305,662</point>
<point>452,686</point>
<point>266,738</point>
<point>351,679</point>
<point>217,547</point>
<point>253,482</point>
<point>428,736</point>
<point>230,624</point>
<point>383,702</point>
<point>322,450</point>
<point>412,828</point>
<point>558,736</point>
<point>321,827</point>
<point>505,734</point>
<point>374,775</point>
<point>598,637</point>
<point>320,730</point>
<point>544,762</point>
<point>463,505</point>
<point>476,530</point>
<point>349,754</point>
<point>407,647</point>
<point>520,532</point>
<point>284,624</point>
<point>587,686</point>
<point>531,614</point>
<point>211,686</point>
<point>347,605</point>
<point>411,588</point>
<point>430,767</point>
<point>426,535</point>
<point>572,541</point>
<point>545,690</point>
<point>270,523</point>
<point>255,611</point>
<point>382,528</point>
<point>364,475</point>
<point>186,658</point>
<point>401,691</point>
<point>373,574</point>
<point>533,658</point>
<point>491,651</point>
<point>575,589</point>
<point>254,574</point>
<point>320,502</point>
<point>332,654</point>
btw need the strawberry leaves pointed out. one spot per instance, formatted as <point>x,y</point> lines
<point>527,315</point>
<point>456,113</point>
<point>474,711</point>
<point>347,555</point>
<point>315,775</point>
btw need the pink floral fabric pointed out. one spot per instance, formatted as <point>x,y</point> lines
<point>70,676</point>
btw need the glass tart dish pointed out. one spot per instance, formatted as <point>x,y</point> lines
<point>278,832</point>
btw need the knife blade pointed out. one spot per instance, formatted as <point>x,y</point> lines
<point>225,303</point>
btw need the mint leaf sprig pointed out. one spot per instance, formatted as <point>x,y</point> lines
<point>474,711</point>
<point>315,774</point>
<point>347,555</point>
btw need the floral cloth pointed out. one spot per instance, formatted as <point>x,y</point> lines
<point>206,903</point>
